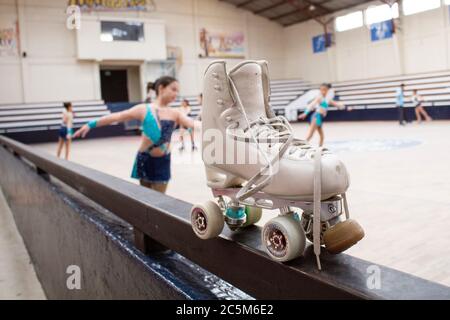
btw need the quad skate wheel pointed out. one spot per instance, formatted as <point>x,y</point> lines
<point>342,236</point>
<point>253,215</point>
<point>284,238</point>
<point>207,220</point>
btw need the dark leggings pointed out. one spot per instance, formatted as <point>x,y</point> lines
<point>401,115</point>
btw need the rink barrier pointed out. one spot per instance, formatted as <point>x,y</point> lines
<point>69,237</point>
<point>238,258</point>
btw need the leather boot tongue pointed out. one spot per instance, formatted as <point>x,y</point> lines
<point>248,79</point>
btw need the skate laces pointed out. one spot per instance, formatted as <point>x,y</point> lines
<point>266,130</point>
<point>270,129</point>
<point>277,130</point>
<point>273,130</point>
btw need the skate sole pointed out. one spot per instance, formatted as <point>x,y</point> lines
<point>221,179</point>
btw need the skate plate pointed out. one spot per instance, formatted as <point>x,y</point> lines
<point>329,209</point>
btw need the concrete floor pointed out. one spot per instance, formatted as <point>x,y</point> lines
<point>18,279</point>
<point>400,189</point>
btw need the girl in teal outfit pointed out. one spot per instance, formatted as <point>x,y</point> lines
<point>319,107</point>
<point>152,164</point>
<point>65,131</point>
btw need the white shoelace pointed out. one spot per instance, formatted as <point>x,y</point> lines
<point>277,130</point>
<point>264,177</point>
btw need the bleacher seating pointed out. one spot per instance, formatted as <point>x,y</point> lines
<point>283,92</point>
<point>380,93</point>
<point>46,116</point>
<point>39,122</point>
<point>374,99</point>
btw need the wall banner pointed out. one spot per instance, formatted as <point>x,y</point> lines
<point>319,42</point>
<point>9,39</point>
<point>224,44</point>
<point>381,31</point>
<point>115,5</point>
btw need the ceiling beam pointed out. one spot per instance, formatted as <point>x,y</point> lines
<point>353,5</point>
<point>273,6</point>
<point>304,9</point>
<point>301,7</point>
<point>316,13</point>
<point>243,4</point>
<point>295,22</point>
<point>297,10</point>
<point>317,5</point>
<point>283,15</point>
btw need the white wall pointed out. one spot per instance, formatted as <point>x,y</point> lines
<point>185,18</point>
<point>134,89</point>
<point>426,41</point>
<point>52,72</point>
<point>300,62</point>
<point>10,67</point>
<point>421,45</point>
<point>90,47</point>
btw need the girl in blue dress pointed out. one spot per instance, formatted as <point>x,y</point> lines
<point>65,131</point>
<point>319,108</point>
<point>152,164</point>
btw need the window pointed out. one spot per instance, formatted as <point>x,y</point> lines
<point>416,6</point>
<point>122,31</point>
<point>349,21</point>
<point>381,13</point>
<point>447,2</point>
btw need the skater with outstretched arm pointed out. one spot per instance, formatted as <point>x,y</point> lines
<point>320,108</point>
<point>152,164</point>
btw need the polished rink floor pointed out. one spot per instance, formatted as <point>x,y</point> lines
<point>400,186</point>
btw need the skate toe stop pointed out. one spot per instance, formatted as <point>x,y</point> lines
<point>343,236</point>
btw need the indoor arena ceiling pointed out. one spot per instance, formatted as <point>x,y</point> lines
<point>288,12</point>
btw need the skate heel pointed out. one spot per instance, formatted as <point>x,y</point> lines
<point>218,179</point>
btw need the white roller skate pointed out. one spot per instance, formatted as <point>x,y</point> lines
<point>253,162</point>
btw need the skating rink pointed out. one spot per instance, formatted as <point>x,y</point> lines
<point>399,192</point>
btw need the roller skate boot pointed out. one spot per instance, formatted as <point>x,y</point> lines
<point>253,162</point>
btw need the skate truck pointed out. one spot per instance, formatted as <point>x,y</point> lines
<point>254,162</point>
